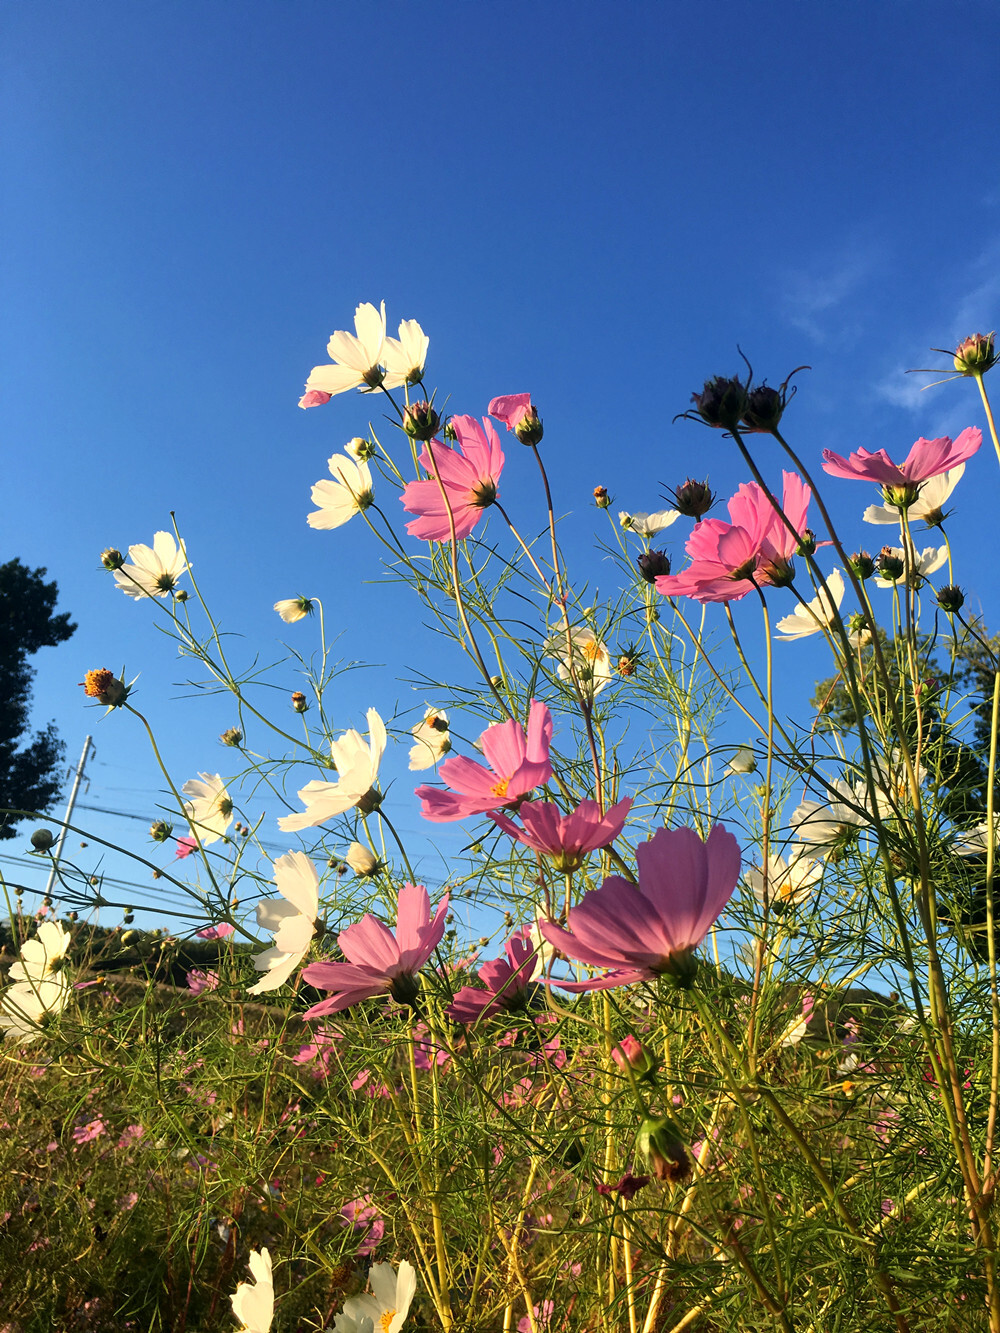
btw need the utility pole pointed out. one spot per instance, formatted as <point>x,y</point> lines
<point>89,750</point>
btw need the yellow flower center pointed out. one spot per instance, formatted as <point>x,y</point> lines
<point>500,788</point>
<point>387,1317</point>
<point>96,682</point>
<point>784,890</point>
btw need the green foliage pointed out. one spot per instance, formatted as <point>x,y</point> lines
<point>28,622</point>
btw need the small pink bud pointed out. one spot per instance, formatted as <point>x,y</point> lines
<point>314,398</point>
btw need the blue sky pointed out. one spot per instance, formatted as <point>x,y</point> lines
<point>593,202</point>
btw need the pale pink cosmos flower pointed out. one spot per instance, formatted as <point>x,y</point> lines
<point>566,838</point>
<point>218,932</point>
<point>185,846</point>
<point>640,931</point>
<point>517,764</point>
<point>377,960</point>
<point>507,982</point>
<point>927,458</point>
<point>755,549</point>
<point>469,474</point>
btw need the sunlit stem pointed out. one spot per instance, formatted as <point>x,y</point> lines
<point>989,415</point>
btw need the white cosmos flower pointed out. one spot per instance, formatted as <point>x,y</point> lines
<point>357,762</point>
<point>647,525</point>
<point>42,956</point>
<point>788,883</point>
<point>817,614</point>
<point>931,558</point>
<point>432,740</point>
<point>253,1304</point>
<point>928,505</point>
<point>893,797</point>
<point>356,358</point>
<point>743,761</point>
<point>25,1007</point>
<point>348,494</point>
<point>292,922</point>
<point>404,357</point>
<point>210,809</point>
<point>154,570</point>
<point>591,659</point>
<point>822,825</point>
<point>292,609</point>
<point>974,841</point>
<point>389,1303</point>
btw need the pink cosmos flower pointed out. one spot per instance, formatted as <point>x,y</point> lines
<point>185,846</point>
<point>628,1187</point>
<point>469,475</point>
<point>220,932</point>
<point>198,980</point>
<point>92,1130</point>
<point>642,931</point>
<point>566,838</point>
<point>366,1221</point>
<point>378,960</point>
<point>507,982</point>
<point>517,764</point>
<point>511,408</point>
<point>728,560</point>
<point>314,398</point>
<point>927,458</point>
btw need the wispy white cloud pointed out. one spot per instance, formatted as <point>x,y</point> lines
<point>821,304</point>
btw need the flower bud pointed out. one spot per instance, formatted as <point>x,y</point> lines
<point>889,564</point>
<point>694,498</point>
<point>807,546</point>
<point>975,355</point>
<point>42,839</point>
<point>180,595</point>
<point>232,736</point>
<point>652,564</point>
<point>112,558</point>
<point>104,686</point>
<point>529,429</point>
<point>862,564</point>
<point>361,860</point>
<point>630,1051</point>
<point>314,398</point>
<point>764,408</point>
<point>360,449</point>
<point>951,599</point>
<point>721,402</point>
<point>299,701</point>
<point>601,497</point>
<point>420,421</point>
<point>129,936</point>
<point>161,830</point>
<point>449,433</point>
<point>660,1143</point>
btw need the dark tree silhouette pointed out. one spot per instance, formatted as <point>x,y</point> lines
<point>28,779</point>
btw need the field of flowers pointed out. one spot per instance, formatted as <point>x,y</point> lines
<point>725,1050</point>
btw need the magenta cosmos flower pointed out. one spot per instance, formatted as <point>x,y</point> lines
<point>507,982</point>
<point>927,458</point>
<point>469,474</point>
<point>755,549</point>
<point>639,932</point>
<point>566,838</point>
<point>377,960</point>
<point>517,764</point>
